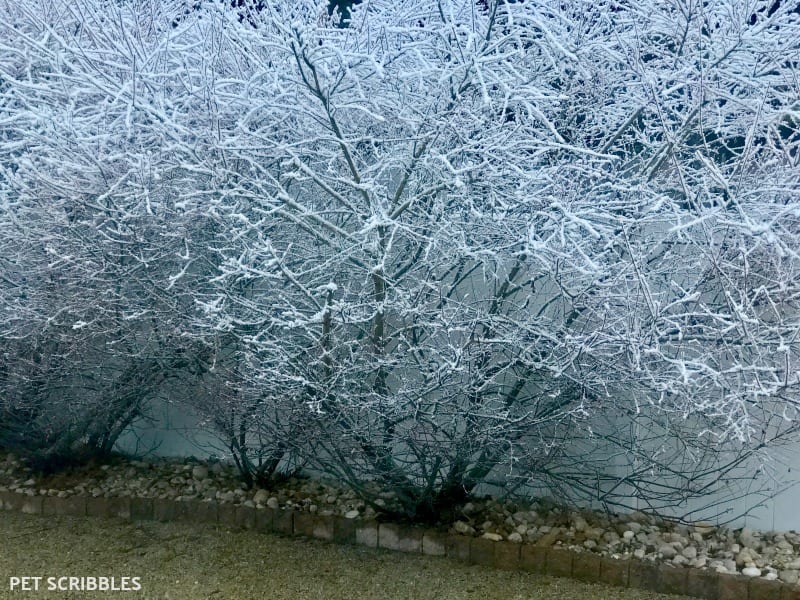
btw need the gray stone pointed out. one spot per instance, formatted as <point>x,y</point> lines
<point>469,508</point>
<point>611,537</point>
<point>703,528</point>
<point>463,528</point>
<point>633,526</point>
<point>730,565</point>
<point>261,497</point>
<point>520,516</point>
<point>667,551</point>
<point>747,538</point>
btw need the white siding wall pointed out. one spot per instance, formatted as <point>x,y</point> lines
<point>174,433</point>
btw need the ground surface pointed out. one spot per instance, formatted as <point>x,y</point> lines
<point>202,561</point>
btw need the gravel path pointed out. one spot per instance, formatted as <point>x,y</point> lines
<point>201,561</point>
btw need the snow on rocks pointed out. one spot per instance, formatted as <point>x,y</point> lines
<point>752,553</point>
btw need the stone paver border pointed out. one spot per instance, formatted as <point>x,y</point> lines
<point>552,560</point>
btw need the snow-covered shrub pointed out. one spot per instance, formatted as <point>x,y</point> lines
<point>448,243</point>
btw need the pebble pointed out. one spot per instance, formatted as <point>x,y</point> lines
<point>495,537</point>
<point>261,496</point>
<point>667,551</point>
<point>689,552</point>
<point>633,526</point>
<point>703,528</point>
<point>351,514</point>
<point>579,523</point>
<point>469,508</point>
<point>747,538</point>
<point>273,503</point>
<point>790,576</point>
<point>751,572</point>
<point>610,537</point>
<point>463,528</point>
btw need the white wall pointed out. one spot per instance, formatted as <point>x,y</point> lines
<point>174,433</point>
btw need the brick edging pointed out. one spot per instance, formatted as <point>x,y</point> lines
<point>552,560</point>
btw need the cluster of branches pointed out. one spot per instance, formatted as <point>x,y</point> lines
<point>91,328</point>
<point>427,246</point>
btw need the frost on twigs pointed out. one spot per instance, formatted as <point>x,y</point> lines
<point>440,245</point>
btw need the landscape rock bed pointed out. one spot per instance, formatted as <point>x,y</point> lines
<point>635,549</point>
